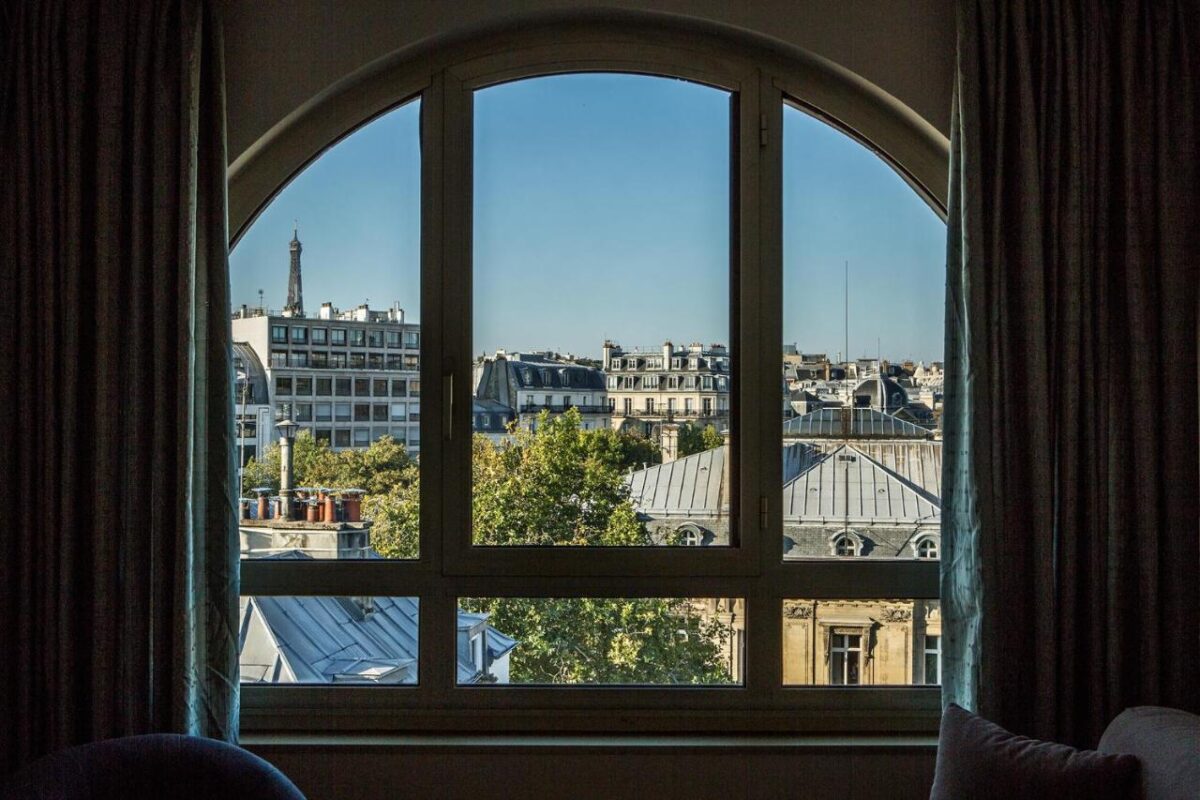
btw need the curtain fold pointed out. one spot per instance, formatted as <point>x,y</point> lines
<point>1071,560</point>
<point>118,561</point>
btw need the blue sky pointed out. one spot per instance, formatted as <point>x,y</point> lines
<point>601,210</point>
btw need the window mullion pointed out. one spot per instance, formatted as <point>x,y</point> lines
<point>762,249</point>
<point>443,266</point>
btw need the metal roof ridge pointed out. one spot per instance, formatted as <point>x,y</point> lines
<point>936,501</point>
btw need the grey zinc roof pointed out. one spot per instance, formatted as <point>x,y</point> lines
<point>864,422</point>
<point>688,485</point>
<point>918,462</point>
<point>692,485</point>
<point>322,639</point>
<point>848,485</point>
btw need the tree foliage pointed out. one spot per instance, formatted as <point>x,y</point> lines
<point>608,640</point>
<point>562,485</point>
<point>694,439</point>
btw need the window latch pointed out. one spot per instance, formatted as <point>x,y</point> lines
<point>762,512</point>
<point>448,405</point>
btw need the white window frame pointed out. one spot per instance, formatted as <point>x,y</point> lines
<point>845,649</point>
<point>926,651</point>
<point>926,541</point>
<point>448,566</point>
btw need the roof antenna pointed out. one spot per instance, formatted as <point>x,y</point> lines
<point>848,425</point>
<point>879,360</point>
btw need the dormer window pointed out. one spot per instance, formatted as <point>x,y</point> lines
<point>845,545</point>
<point>927,547</point>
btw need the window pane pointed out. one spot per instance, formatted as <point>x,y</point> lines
<point>601,244</point>
<point>863,324</point>
<point>851,642</point>
<point>591,641</point>
<point>333,262</point>
<point>370,641</point>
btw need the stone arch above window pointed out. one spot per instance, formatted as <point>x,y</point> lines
<point>927,546</point>
<point>689,535</point>
<point>845,544</point>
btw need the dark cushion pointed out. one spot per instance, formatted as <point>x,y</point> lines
<point>979,759</point>
<point>154,766</point>
<point>1167,742</point>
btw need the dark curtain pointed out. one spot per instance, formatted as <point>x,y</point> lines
<point>118,551</point>
<point>1071,567</point>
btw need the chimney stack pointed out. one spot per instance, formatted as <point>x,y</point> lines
<point>669,442</point>
<point>668,351</point>
<point>727,471</point>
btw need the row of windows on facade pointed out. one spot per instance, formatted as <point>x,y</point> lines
<point>354,337</point>
<point>362,437</point>
<point>286,385</point>
<point>349,412</point>
<point>498,423</point>
<point>846,659</point>
<point>679,362</point>
<point>323,360</point>
<point>706,383</point>
<point>584,403</point>
<point>247,425</point>
<point>850,546</point>
<point>670,406</point>
<point>334,437</point>
<point>347,437</point>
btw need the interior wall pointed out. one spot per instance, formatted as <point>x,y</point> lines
<point>280,55</point>
<point>547,773</point>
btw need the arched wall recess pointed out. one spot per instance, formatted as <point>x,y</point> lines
<point>760,78</point>
<point>681,48</point>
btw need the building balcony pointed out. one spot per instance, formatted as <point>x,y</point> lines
<point>533,408</point>
<point>669,414</point>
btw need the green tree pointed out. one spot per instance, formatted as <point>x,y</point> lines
<point>694,439</point>
<point>622,450</point>
<point>313,464</point>
<point>562,485</point>
<point>608,640</point>
<point>559,486</point>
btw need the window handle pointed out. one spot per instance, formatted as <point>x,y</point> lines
<point>448,405</point>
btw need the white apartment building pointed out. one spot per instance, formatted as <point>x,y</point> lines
<point>672,384</point>
<point>349,377</point>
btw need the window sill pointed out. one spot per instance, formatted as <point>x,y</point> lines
<point>507,742</point>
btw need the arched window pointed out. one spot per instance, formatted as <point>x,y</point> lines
<point>845,546</point>
<point>522,161</point>
<point>927,548</point>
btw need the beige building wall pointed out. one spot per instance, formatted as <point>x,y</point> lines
<point>892,640</point>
